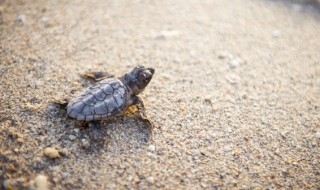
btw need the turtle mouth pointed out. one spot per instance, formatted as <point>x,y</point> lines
<point>151,70</point>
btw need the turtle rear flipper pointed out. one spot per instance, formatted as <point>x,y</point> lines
<point>97,76</point>
<point>62,103</point>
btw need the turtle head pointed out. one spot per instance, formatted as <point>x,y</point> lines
<point>138,78</point>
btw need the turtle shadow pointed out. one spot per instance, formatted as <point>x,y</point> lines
<point>121,134</point>
<point>126,132</point>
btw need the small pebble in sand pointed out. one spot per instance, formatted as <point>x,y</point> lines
<point>226,148</point>
<point>16,150</point>
<point>234,63</point>
<point>65,175</point>
<point>20,140</point>
<point>195,152</point>
<point>51,152</point>
<point>76,130</point>
<point>151,148</point>
<point>153,156</point>
<point>164,34</point>
<point>21,18</point>
<point>41,182</point>
<point>52,109</point>
<point>72,137</point>
<point>222,55</point>
<point>276,33</point>
<point>150,179</point>
<point>38,83</point>
<point>63,152</point>
<point>85,143</point>
<point>54,168</point>
<point>130,178</point>
<point>317,135</point>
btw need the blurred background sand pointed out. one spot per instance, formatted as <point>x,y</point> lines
<point>235,98</point>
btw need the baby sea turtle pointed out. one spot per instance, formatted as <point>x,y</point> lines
<point>110,97</point>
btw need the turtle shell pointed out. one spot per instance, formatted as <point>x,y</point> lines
<point>103,100</point>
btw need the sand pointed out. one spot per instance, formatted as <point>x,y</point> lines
<point>235,98</point>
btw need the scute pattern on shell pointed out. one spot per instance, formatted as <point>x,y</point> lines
<point>104,99</point>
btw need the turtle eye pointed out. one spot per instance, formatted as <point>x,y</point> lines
<point>145,77</point>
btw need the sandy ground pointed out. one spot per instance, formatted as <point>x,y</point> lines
<point>235,98</point>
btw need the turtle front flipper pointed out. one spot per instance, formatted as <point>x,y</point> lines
<point>139,104</point>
